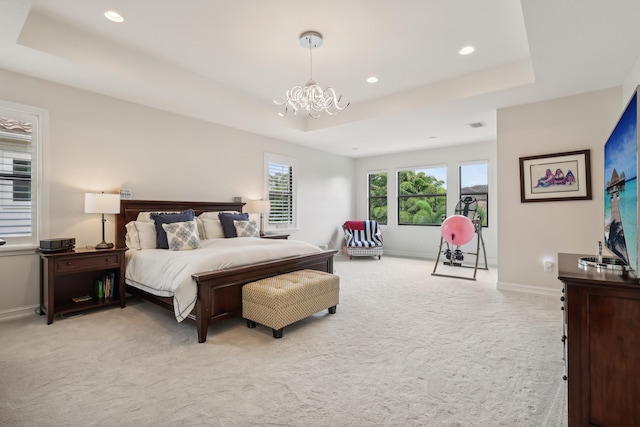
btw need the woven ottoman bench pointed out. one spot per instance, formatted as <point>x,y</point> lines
<point>282,300</point>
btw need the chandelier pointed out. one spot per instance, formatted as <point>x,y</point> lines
<point>310,98</point>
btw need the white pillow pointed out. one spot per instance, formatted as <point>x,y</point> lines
<point>200,225</point>
<point>213,214</point>
<point>182,235</point>
<point>212,228</point>
<point>146,216</point>
<point>246,228</point>
<point>140,235</point>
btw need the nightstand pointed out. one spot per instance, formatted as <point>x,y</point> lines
<point>275,236</point>
<point>68,280</point>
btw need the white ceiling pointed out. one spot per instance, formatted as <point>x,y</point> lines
<point>225,61</point>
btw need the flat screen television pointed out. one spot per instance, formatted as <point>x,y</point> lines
<point>621,186</point>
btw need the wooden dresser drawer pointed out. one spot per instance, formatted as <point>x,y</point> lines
<point>88,263</point>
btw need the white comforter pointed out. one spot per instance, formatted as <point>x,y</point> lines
<point>168,273</point>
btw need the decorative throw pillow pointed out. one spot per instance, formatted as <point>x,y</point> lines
<point>168,218</point>
<point>212,228</point>
<point>226,219</point>
<point>182,235</point>
<point>246,228</point>
<point>140,235</point>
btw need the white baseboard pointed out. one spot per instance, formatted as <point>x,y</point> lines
<point>16,313</point>
<point>401,254</point>
<point>529,289</point>
<point>433,256</point>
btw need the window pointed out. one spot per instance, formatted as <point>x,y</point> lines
<point>422,195</point>
<point>281,176</point>
<point>20,128</point>
<point>474,181</point>
<point>378,197</point>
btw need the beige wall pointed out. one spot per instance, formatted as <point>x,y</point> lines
<point>631,82</point>
<point>97,143</point>
<point>532,232</point>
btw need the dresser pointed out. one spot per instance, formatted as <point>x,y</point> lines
<point>602,343</point>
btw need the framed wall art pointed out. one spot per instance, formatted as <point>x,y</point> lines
<point>555,177</point>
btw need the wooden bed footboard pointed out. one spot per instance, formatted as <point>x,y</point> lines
<point>219,292</point>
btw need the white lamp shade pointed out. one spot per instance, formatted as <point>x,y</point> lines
<point>258,206</point>
<point>101,203</point>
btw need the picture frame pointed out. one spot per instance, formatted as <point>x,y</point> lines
<point>556,177</point>
<point>125,194</point>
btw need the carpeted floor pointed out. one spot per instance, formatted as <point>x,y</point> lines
<point>404,349</point>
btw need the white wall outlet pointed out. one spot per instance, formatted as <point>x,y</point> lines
<point>547,265</point>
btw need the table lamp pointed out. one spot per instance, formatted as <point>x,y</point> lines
<point>259,206</point>
<point>103,204</point>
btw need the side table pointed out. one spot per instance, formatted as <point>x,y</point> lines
<point>68,280</point>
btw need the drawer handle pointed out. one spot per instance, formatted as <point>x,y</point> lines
<point>108,259</point>
<point>68,263</point>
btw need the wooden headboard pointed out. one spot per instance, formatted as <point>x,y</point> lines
<point>129,210</point>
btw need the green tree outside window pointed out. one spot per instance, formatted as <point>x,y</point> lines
<point>422,197</point>
<point>378,197</point>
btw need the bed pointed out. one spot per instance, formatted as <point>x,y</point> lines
<point>219,293</point>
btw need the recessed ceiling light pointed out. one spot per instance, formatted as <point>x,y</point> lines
<point>114,16</point>
<point>466,50</point>
<point>372,79</point>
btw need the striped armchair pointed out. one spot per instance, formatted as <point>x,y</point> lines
<point>362,238</point>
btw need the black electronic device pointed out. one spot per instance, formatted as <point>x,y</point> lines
<point>57,245</point>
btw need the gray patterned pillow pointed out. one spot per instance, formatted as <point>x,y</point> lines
<point>246,228</point>
<point>182,235</point>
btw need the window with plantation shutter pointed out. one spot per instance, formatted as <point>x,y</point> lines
<point>19,141</point>
<point>281,191</point>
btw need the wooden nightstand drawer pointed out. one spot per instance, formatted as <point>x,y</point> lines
<point>72,265</point>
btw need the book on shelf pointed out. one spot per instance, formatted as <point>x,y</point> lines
<point>113,284</point>
<point>82,298</point>
<point>106,287</point>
